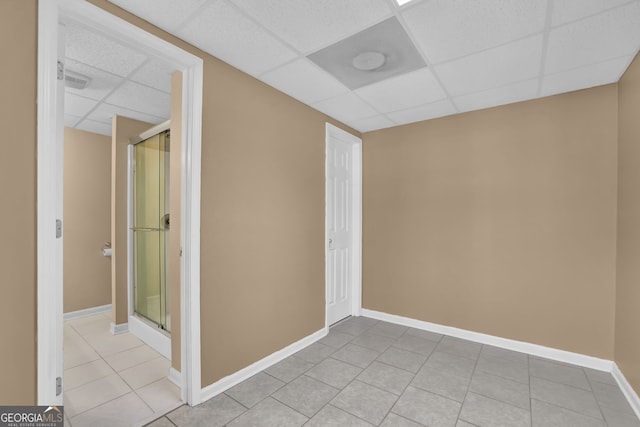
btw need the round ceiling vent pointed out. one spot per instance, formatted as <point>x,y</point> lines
<point>368,61</point>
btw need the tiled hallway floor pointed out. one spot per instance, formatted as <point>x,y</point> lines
<point>112,380</point>
<point>368,373</point>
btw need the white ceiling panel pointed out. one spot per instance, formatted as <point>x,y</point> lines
<point>105,112</point>
<point>606,36</point>
<point>448,29</point>
<point>305,81</point>
<point>156,74</point>
<point>77,105</point>
<point>493,68</point>
<point>500,96</point>
<point>167,14</point>
<point>70,121</point>
<point>424,112</point>
<point>101,83</point>
<point>227,34</point>
<point>95,127</point>
<point>371,123</point>
<point>570,10</point>
<point>585,77</point>
<point>402,92</point>
<point>346,108</point>
<point>100,52</point>
<point>309,25</point>
<point>142,98</point>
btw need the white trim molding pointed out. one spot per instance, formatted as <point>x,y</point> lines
<point>226,383</point>
<point>122,328</point>
<point>627,390</point>
<point>175,376</point>
<point>508,344</point>
<point>87,312</point>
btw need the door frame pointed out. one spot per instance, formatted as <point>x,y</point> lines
<point>49,192</point>
<point>356,219</point>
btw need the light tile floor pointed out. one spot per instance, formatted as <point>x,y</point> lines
<point>112,380</point>
<point>368,373</point>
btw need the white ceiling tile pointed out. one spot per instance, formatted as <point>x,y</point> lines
<point>424,112</point>
<point>77,105</point>
<point>225,33</point>
<point>95,127</point>
<point>100,52</point>
<point>602,37</point>
<point>585,77</point>
<point>402,92</point>
<point>70,121</point>
<point>304,81</point>
<point>105,112</point>
<point>497,67</point>
<point>371,123</point>
<point>101,83</point>
<point>346,108</point>
<point>571,10</point>
<point>156,74</point>
<point>448,29</point>
<point>309,25</point>
<point>141,98</point>
<point>167,14</point>
<point>500,96</point>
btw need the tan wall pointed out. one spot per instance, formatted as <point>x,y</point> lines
<point>175,194</point>
<point>500,221</point>
<point>123,129</point>
<point>18,22</point>
<point>627,354</point>
<point>262,274</point>
<point>87,219</point>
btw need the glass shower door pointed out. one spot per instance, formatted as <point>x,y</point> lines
<point>150,228</point>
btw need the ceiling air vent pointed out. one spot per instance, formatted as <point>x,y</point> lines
<point>76,80</point>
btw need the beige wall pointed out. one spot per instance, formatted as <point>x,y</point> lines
<point>627,353</point>
<point>123,129</point>
<point>18,22</point>
<point>87,219</point>
<point>501,221</point>
<point>175,194</point>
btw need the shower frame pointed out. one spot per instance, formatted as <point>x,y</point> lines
<point>141,327</point>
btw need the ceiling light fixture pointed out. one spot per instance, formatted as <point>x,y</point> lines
<point>368,61</point>
<point>401,2</point>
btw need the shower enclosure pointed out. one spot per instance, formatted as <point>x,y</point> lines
<point>150,226</point>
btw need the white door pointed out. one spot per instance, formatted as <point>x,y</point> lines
<point>340,224</point>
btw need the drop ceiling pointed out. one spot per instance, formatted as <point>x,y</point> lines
<point>122,81</point>
<point>478,53</point>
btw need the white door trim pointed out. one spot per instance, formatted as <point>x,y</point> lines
<point>49,251</point>
<point>356,243</point>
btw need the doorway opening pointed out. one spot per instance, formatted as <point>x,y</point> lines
<point>50,173</point>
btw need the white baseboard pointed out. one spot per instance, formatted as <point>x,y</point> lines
<point>122,328</point>
<point>87,312</point>
<point>151,336</point>
<point>226,383</point>
<point>627,390</point>
<point>522,347</point>
<point>175,377</point>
